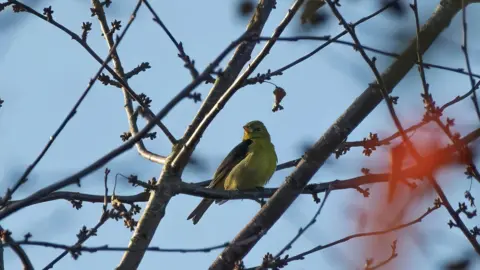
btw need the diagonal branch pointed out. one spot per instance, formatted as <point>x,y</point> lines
<point>189,63</point>
<point>467,58</point>
<point>334,136</point>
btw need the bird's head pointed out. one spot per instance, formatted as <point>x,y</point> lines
<point>255,130</point>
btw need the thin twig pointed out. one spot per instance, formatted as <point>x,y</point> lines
<point>105,199</point>
<point>426,94</point>
<point>78,247</point>
<point>392,256</point>
<point>189,63</point>
<point>301,231</point>
<point>460,98</point>
<point>467,58</point>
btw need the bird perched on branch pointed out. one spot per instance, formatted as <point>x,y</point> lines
<point>249,165</point>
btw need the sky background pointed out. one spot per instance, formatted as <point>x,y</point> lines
<point>43,73</point>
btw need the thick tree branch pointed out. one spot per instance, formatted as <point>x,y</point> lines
<point>467,58</point>
<point>188,62</point>
<point>334,136</point>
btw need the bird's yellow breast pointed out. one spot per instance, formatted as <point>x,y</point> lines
<point>256,169</point>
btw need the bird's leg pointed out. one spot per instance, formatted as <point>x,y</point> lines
<point>262,200</point>
<point>238,190</point>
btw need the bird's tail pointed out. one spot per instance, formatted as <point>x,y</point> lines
<point>198,212</point>
<point>220,202</point>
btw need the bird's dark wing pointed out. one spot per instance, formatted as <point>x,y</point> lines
<point>237,154</point>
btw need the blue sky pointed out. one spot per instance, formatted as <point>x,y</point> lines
<point>45,72</point>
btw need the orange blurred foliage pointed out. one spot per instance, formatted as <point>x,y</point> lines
<point>391,204</point>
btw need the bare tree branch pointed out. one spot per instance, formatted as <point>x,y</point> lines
<point>467,58</point>
<point>301,231</point>
<point>189,63</point>
<point>392,256</point>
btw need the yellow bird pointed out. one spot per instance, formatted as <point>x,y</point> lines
<point>249,165</point>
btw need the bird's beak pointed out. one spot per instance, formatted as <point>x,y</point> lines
<point>246,129</point>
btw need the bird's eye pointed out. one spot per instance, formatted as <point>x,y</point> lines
<point>257,129</point>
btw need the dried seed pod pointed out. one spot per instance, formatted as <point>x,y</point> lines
<point>279,94</point>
